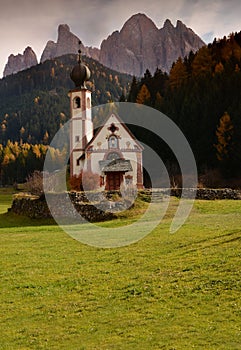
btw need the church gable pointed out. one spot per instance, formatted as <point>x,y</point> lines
<point>114,134</point>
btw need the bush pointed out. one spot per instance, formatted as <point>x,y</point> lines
<point>34,183</point>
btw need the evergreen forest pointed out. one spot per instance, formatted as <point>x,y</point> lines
<point>202,95</point>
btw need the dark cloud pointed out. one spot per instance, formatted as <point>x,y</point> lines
<point>34,22</point>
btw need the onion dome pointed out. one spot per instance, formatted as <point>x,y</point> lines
<point>80,73</point>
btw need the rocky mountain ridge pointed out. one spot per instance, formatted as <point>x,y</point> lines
<point>138,46</point>
<point>67,43</point>
<point>20,62</point>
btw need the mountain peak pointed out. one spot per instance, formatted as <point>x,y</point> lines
<point>140,45</point>
<point>67,43</point>
<point>140,20</point>
<point>181,25</point>
<point>138,16</point>
<point>168,24</point>
<point>20,62</point>
<point>63,28</point>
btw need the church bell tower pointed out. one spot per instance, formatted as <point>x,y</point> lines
<point>81,125</point>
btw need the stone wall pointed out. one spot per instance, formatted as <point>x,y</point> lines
<point>92,206</point>
<point>98,206</point>
<point>201,193</point>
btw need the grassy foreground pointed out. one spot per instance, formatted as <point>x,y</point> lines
<point>168,291</point>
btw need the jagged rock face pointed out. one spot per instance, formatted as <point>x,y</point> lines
<point>131,50</point>
<point>20,62</point>
<point>67,43</point>
<point>175,42</point>
<point>141,45</point>
<point>138,46</point>
<point>49,51</point>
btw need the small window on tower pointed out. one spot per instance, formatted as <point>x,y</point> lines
<point>88,103</point>
<point>77,138</point>
<point>77,102</point>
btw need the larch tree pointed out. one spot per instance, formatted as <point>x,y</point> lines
<point>178,74</point>
<point>143,96</point>
<point>224,135</point>
<point>202,63</point>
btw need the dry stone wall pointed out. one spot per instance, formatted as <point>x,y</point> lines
<point>94,207</point>
<point>201,193</point>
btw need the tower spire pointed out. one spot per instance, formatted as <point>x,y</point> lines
<point>79,52</point>
<point>80,73</point>
<point>81,126</point>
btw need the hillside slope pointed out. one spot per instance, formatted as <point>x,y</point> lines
<point>37,99</point>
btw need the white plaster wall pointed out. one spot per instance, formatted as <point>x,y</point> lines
<point>105,133</point>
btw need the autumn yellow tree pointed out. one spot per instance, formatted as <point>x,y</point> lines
<point>224,135</point>
<point>202,63</point>
<point>143,96</point>
<point>178,74</point>
<point>219,68</point>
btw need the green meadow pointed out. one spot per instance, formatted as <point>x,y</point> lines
<point>167,291</point>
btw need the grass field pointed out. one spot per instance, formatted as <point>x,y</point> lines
<point>168,291</point>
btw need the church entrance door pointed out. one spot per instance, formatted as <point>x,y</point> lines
<point>113,180</point>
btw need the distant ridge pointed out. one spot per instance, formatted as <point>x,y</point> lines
<point>19,62</point>
<point>138,46</point>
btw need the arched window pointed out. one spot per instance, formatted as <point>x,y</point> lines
<point>88,103</point>
<point>77,102</point>
<point>113,156</point>
<point>113,142</point>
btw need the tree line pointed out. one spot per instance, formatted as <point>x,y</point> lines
<point>201,95</point>
<point>19,160</point>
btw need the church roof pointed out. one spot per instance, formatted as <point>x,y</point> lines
<point>115,165</point>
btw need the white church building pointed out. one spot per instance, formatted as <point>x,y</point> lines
<point>112,152</point>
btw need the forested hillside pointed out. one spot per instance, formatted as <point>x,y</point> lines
<point>202,94</point>
<point>34,103</point>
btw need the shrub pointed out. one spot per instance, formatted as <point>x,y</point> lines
<point>34,183</point>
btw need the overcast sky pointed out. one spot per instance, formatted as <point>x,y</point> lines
<point>34,22</point>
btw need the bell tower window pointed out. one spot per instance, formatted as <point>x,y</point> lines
<point>88,103</point>
<point>77,102</point>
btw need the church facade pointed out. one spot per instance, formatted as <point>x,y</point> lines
<point>112,152</point>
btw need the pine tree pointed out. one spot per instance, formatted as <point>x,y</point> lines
<point>133,90</point>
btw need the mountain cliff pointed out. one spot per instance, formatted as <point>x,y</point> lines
<point>20,62</point>
<point>138,46</point>
<point>141,45</point>
<point>66,43</point>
